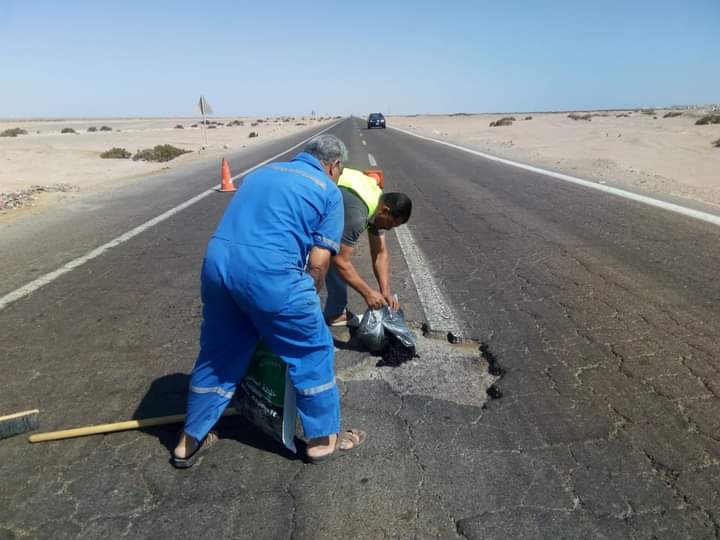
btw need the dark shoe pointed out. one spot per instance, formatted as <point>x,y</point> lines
<point>348,319</point>
<point>187,462</point>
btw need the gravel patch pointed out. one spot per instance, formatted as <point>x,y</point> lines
<point>27,197</point>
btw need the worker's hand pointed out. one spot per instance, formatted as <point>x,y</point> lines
<point>375,300</point>
<point>392,301</point>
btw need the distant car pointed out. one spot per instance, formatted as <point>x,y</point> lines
<point>376,120</point>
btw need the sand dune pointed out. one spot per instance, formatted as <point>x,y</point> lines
<point>45,156</point>
<point>644,152</point>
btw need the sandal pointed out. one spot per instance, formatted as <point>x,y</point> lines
<point>347,441</point>
<point>187,462</point>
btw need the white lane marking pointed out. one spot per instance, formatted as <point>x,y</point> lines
<point>52,276</point>
<point>439,315</point>
<point>364,142</point>
<point>697,214</point>
<point>372,161</point>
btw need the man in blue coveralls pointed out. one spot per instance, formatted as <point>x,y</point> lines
<point>285,218</point>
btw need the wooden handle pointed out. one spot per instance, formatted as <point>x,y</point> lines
<point>117,426</point>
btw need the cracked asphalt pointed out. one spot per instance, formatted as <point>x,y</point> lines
<point>603,314</point>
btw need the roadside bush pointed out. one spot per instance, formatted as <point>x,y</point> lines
<point>92,129</point>
<point>194,125</point>
<point>672,114</point>
<point>106,128</point>
<point>212,126</point>
<point>253,134</point>
<point>160,153</point>
<point>300,124</point>
<point>67,130</point>
<point>576,116</point>
<point>179,126</point>
<point>507,121</point>
<point>236,123</point>
<point>716,144</point>
<point>528,118</point>
<point>116,153</point>
<point>708,119</point>
<point>13,132</point>
<point>254,124</point>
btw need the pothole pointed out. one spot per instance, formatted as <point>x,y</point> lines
<point>456,372</point>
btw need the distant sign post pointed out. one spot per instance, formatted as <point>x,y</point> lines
<point>205,109</point>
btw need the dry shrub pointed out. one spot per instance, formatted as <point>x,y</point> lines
<point>92,129</point>
<point>161,153</point>
<point>507,121</point>
<point>13,132</point>
<point>67,130</point>
<point>116,153</point>
<point>106,128</point>
<point>179,126</point>
<point>708,119</point>
<point>528,118</point>
<point>649,112</point>
<point>672,114</point>
<point>253,134</point>
<point>576,116</point>
<point>716,144</point>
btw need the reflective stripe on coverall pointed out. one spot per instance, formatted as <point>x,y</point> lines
<point>254,287</point>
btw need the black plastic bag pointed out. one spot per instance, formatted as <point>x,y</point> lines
<point>375,322</point>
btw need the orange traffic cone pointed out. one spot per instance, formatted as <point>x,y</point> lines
<point>226,183</point>
<point>378,175</point>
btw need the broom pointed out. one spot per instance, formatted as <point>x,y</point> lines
<point>117,426</point>
<point>14,424</point>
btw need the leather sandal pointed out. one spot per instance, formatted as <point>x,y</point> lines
<point>346,442</point>
<point>187,462</point>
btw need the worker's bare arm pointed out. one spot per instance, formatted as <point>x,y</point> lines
<point>381,267</point>
<point>318,264</point>
<point>350,275</point>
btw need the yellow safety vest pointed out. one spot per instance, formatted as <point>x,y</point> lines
<point>363,186</point>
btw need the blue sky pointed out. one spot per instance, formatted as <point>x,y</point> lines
<point>154,58</point>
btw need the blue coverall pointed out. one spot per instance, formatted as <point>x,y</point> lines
<point>254,287</point>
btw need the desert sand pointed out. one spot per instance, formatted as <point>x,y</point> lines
<point>643,152</point>
<point>45,156</point>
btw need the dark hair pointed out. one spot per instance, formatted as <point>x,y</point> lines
<point>399,204</point>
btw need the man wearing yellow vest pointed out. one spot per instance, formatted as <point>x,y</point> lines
<point>366,207</point>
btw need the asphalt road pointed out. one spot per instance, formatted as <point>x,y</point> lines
<point>603,312</point>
